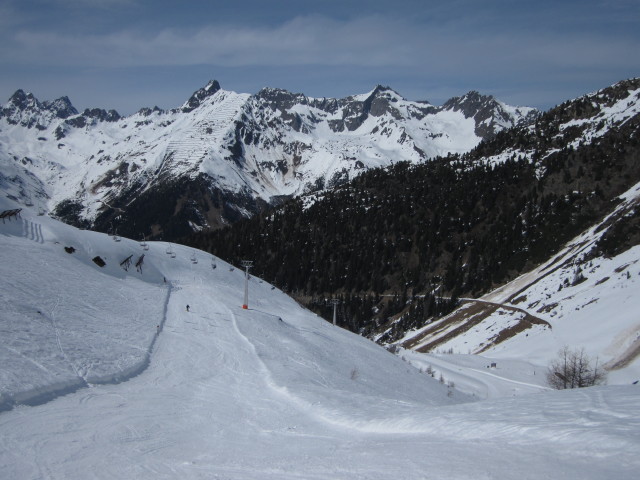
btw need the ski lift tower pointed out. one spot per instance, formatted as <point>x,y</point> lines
<point>247,264</point>
<point>335,302</point>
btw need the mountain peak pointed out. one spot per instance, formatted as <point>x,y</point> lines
<point>384,91</point>
<point>199,95</point>
<point>26,101</point>
<point>381,88</point>
<point>281,99</point>
<point>213,86</point>
<point>470,103</point>
<point>489,114</point>
<point>22,108</point>
<point>22,100</point>
<point>61,107</point>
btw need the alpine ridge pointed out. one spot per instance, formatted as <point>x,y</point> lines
<point>221,156</point>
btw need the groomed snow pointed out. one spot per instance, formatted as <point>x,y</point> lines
<point>139,387</point>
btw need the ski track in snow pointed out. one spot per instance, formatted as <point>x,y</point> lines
<point>271,392</point>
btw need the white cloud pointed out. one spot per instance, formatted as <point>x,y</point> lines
<point>371,41</point>
<point>309,40</point>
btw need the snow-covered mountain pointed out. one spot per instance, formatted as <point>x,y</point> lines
<point>104,373</point>
<point>222,155</point>
<point>553,205</point>
<point>585,293</point>
<point>573,124</point>
<point>581,297</point>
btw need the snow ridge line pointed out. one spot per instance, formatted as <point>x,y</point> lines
<point>45,394</point>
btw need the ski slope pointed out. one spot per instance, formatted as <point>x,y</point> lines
<point>105,374</point>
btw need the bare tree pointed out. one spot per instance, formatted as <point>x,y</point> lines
<point>573,369</point>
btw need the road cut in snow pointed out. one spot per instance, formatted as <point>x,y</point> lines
<point>271,392</point>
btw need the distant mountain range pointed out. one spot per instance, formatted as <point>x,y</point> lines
<point>221,156</point>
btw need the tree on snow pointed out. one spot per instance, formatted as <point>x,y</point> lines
<point>573,369</point>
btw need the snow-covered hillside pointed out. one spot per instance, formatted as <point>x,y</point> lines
<point>580,121</point>
<point>136,386</point>
<point>69,322</point>
<point>579,299</point>
<point>243,150</point>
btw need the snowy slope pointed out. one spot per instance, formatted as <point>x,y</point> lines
<point>67,319</point>
<point>270,392</point>
<point>581,299</point>
<point>581,121</point>
<point>597,311</point>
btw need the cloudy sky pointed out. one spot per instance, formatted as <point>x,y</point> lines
<point>127,54</point>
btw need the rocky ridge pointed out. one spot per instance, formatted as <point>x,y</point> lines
<point>221,155</point>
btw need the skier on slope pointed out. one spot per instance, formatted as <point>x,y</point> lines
<point>187,308</point>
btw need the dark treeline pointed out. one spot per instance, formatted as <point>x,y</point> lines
<point>454,226</point>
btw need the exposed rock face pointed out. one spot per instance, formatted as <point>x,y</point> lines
<point>24,109</point>
<point>196,99</point>
<point>489,114</point>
